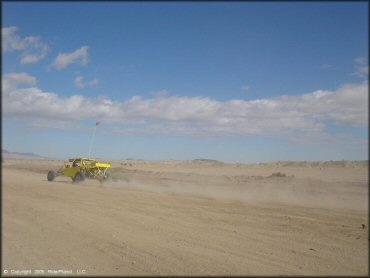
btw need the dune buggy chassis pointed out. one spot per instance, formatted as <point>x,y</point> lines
<point>81,168</point>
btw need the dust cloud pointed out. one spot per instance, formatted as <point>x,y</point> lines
<point>287,191</point>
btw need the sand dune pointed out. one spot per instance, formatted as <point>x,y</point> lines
<point>198,217</point>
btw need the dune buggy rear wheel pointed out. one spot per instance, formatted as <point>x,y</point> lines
<point>107,178</point>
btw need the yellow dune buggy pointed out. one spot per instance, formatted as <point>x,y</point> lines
<point>81,168</point>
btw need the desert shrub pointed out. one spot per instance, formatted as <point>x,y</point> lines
<point>277,175</point>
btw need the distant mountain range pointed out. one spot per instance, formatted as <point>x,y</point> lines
<point>8,153</point>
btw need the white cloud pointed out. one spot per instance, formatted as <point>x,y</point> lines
<point>360,60</point>
<point>180,115</point>
<point>326,66</point>
<point>361,69</point>
<point>161,93</point>
<point>63,60</point>
<point>33,49</point>
<point>29,58</point>
<point>20,78</point>
<point>80,84</point>
<point>11,41</point>
<point>14,80</point>
<point>245,87</point>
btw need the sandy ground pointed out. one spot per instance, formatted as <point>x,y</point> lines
<point>187,218</point>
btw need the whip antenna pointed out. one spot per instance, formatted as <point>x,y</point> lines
<point>93,137</point>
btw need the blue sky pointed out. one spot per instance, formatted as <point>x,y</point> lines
<point>239,82</point>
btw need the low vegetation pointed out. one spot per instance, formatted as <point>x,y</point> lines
<point>277,175</point>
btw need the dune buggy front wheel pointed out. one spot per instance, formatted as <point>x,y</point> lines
<point>51,175</point>
<point>78,177</point>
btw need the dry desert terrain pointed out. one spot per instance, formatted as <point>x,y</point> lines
<point>197,217</point>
